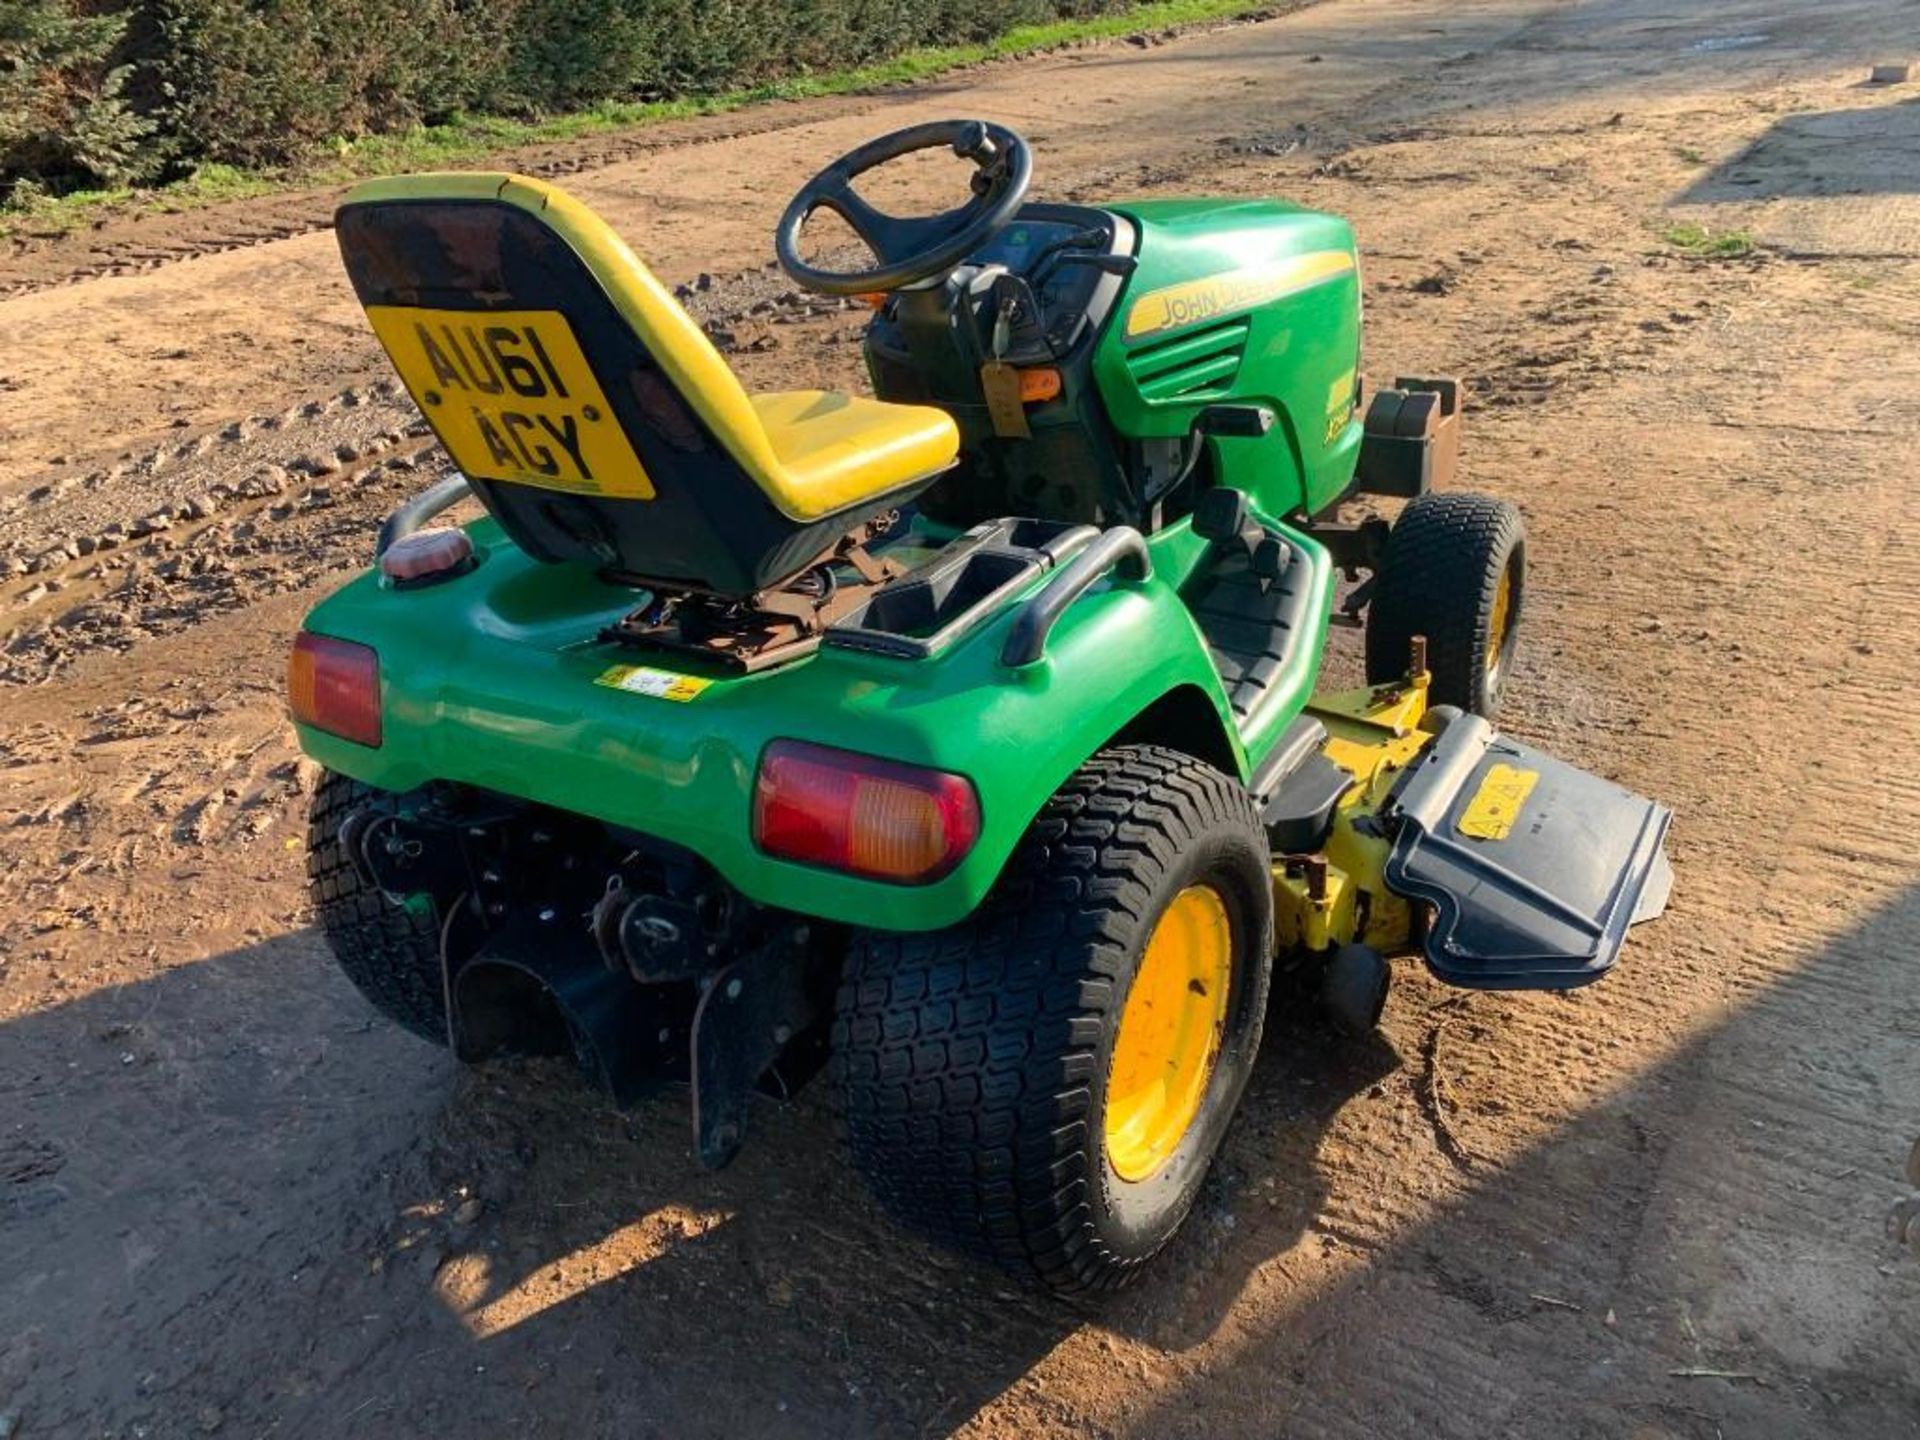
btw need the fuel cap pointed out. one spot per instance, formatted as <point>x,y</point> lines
<point>436,554</point>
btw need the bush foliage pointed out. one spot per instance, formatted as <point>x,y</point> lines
<point>108,91</point>
<point>64,116</point>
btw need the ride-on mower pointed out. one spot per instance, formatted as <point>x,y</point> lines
<point>964,741</point>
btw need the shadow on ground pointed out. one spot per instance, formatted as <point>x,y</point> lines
<point>232,1175</point>
<point>1640,1272</point>
<point>1818,154</point>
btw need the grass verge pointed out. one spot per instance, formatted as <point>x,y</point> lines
<point>1704,244</point>
<point>466,139</point>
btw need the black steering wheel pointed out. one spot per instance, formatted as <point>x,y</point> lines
<point>910,249</point>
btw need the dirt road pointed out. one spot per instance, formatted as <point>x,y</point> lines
<point>232,1202</point>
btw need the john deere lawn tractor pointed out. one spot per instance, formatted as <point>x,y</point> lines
<point>965,742</point>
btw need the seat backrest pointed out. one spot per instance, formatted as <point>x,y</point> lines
<point>594,417</point>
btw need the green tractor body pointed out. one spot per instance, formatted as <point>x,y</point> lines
<point>487,681</point>
<point>493,680</point>
<point>1252,302</point>
<point>739,718</point>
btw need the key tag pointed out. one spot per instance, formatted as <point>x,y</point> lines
<point>1005,408</point>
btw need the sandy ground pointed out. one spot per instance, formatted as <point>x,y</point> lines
<point>232,1201</point>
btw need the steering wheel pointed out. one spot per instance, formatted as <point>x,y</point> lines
<point>910,249</point>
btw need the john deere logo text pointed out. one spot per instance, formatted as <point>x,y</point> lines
<point>1178,306</point>
<point>512,397</point>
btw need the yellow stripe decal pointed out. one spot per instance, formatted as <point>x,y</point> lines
<point>1192,301</point>
<point>1495,807</point>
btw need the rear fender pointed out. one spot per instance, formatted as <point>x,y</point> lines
<point>495,680</point>
<point>1187,719</point>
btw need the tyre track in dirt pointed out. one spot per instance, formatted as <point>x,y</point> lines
<point>224,519</point>
<point>138,242</point>
<point>266,474</point>
<point>282,316</point>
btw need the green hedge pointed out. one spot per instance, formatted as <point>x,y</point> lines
<point>93,92</point>
<point>63,108</point>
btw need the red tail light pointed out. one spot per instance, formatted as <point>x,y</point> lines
<point>863,815</point>
<point>334,685</point>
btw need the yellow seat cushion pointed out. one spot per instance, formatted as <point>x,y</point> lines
<point>833,451</point>
<point>811,452</point>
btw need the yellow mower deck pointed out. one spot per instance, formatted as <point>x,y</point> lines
<point>1340,895</point>
<point>1527,870</point>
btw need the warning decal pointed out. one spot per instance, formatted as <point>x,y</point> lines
<point>645,680</point>
<point>1495,806</point>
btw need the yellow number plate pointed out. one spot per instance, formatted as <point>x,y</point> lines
<point>1495,807</point>
<point>511,396</point>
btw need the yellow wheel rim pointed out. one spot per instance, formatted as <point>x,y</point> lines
<point>1497,624</point>
<point>1169,1033</point>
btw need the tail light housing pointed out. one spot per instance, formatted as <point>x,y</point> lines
<point>875,818</point>
<point>334,685</point>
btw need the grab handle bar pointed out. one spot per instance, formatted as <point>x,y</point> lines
<point>420,509</point>
<point>1122,547</point>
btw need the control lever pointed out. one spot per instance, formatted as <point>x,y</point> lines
<point>1066,254</point>
<point>1234,422</point>
<point>1222,516</point>
<point>976,144</point>
<point>1270,560</point>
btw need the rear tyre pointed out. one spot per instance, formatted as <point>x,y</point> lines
<point>1455,571</point>
<point>1046,1083</point>
<point>390,952</point>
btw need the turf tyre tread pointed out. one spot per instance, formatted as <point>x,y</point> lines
<point>966,1059</point>
<point>1442,569</point>
<point>391,953</point>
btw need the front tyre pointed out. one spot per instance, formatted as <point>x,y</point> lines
<point>390,952</point>
<point>1046,1083</point>
<point>1455,571</point>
